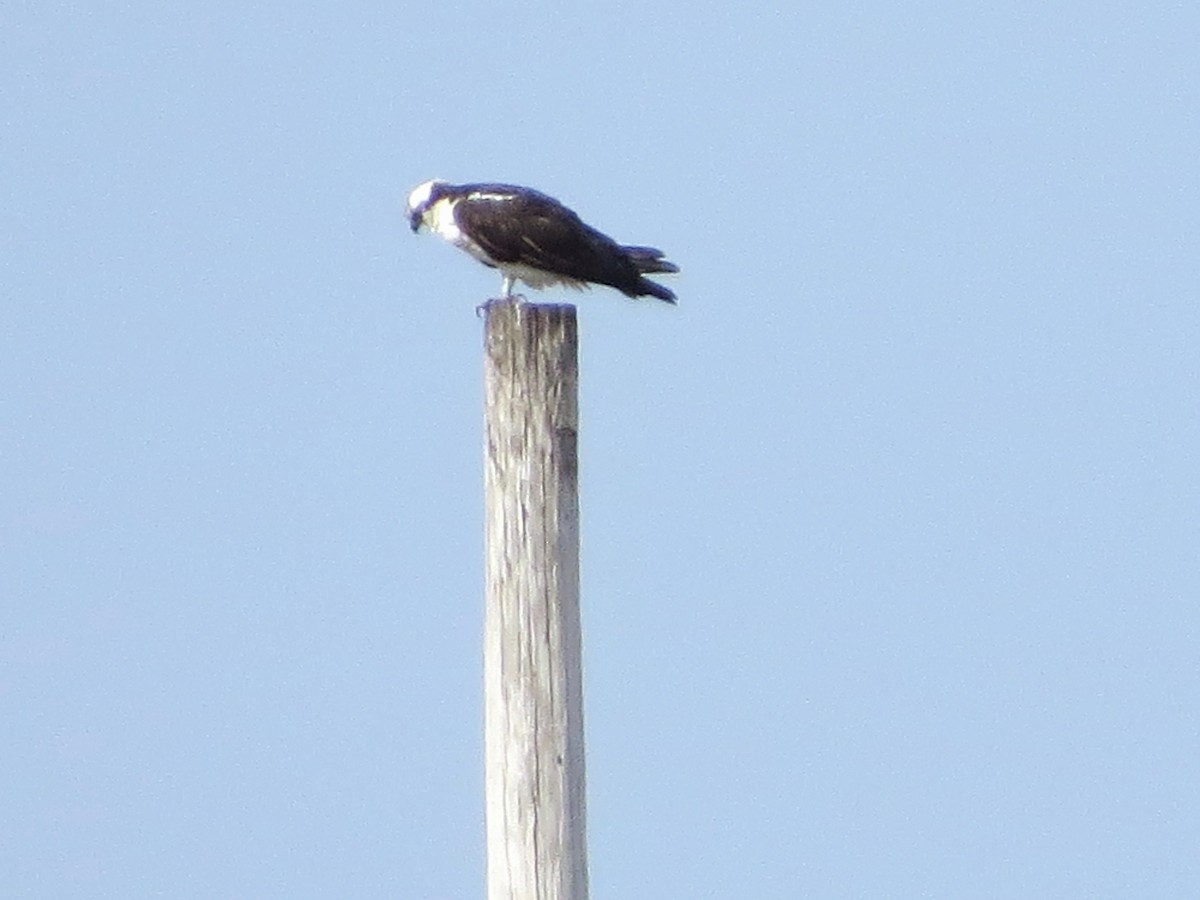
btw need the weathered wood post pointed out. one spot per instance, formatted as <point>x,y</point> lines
<point>533,682</point>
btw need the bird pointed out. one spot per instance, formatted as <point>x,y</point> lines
<point>531,237</point>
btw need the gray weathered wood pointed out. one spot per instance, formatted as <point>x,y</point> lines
<point>533,683</point>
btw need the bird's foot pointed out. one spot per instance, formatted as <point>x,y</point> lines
<point>507,298</point>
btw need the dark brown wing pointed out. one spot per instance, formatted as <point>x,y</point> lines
<point>538,231</point>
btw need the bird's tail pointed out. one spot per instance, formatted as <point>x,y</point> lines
<point>649,260</point>
<point>648,288</point>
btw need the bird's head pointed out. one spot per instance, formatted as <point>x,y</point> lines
<point>423,196</point>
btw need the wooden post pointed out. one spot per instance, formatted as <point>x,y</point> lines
<point>533,681</point>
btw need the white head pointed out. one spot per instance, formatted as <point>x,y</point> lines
<point>420,199</point>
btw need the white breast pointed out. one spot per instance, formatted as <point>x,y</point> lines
<point>537,278</point>
<point>440,219</point>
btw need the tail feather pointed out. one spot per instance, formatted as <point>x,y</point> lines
<point>648,288</point>
<point>649,260</point>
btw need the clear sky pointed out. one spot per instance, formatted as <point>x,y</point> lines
<point>891,562</point>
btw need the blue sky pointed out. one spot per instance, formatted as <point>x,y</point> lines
<point>890,532</point>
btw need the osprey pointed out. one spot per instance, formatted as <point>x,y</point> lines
<point>533,238</point>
